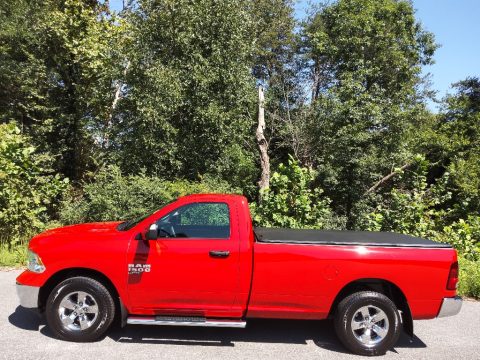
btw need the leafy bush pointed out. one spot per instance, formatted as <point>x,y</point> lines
<point>27,191</point>
<point>414,212</point>
<point>291,202</point>
<point>469,282</point>
<point>464,235</point>
<point>113,196</point>
<point>13,255</point>
<point>411,209</point>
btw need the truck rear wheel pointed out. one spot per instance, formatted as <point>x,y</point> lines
<point>367,323</point>
<point>79,309</point>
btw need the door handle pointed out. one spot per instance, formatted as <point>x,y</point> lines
<point>219,254</point>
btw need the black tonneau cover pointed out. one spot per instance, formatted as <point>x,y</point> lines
<point>335,237</point>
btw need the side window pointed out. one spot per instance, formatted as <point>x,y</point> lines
<point>198,220</point>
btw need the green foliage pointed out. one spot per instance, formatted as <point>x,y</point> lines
<point>78,40</point>
<point>275,44</point>
<point>112,196</point>
<point>27,193</point>
<point>291,201</point>
<point>464,235</point>
<point>469,280</point>
<point>12,256</point>
<point>455,145</point>
<point>189,95</point>
<point>410,209</point>
<point>22,71</point>
<point>420,210</point>
<point>58,62</point>
<point>367,58</point>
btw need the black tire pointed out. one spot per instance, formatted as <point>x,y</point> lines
<point>371,344</point>
<point>102,310</point>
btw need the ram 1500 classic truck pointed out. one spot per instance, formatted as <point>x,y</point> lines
<point>198,261</point>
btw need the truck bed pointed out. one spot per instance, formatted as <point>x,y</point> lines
<point>336,237</point>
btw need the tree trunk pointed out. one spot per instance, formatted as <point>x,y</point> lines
<point>262,143</point>
<point>116,98</point>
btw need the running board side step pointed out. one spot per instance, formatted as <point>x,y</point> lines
<point>185,321</point>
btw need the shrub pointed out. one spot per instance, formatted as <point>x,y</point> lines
<point>469,282</point>
<point>411,209</point>
<point>292,202</point>
<point>464,235</point>
<point>114,196</point>
<point>414,211</point>
<point>13,255</point>
<point>27,189</point>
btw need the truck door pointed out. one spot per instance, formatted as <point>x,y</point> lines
<point>192,267</point>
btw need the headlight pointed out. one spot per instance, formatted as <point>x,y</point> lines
<point>34,263</point>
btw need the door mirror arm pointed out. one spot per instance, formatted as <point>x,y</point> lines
<point>152,233</point>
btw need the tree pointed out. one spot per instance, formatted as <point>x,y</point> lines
<point>28,190</point>
<point>22,71</point>
<point>366,58</point>
<point>60,67</point>
<point>189,101</point>
<point>275,39</point>
<point>455,145</point>
<point>264,181</point>
<point>279,69</point>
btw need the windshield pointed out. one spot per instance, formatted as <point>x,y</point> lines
<point>127,225</point>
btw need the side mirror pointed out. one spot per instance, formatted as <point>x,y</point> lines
<point>152,233</point>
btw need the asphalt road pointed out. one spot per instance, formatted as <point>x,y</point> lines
<point>24,336</point>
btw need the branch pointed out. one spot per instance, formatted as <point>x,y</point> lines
<point>386,178</point>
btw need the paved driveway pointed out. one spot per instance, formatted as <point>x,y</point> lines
<point>24,336</point>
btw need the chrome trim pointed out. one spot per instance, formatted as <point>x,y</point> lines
<point>450,306</point>
<point>151,320</point>
<point>28,296</point>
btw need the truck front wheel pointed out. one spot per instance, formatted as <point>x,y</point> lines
<point>79,309</point>
<point>367,323</point>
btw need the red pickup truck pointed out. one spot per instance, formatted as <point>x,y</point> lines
<point>199,262</point>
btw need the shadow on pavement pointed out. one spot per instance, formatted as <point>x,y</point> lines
<point>321,333</point>
<point>26,319</point>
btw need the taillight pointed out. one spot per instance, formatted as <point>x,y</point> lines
<point>453,277</point>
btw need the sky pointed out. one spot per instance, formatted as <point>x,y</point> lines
<point>456,25</point>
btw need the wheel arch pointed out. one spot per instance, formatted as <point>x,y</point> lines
<point>385,287</point>
<point>58,277</point>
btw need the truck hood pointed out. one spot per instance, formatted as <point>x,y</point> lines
<point>79,231</point>
<point>97,227</point>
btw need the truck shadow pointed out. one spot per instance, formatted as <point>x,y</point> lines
<point>321,333</point>
<point>299,332</point>
<point>25,319</point>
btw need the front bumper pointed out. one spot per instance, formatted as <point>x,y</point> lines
<point>28,296</point>
<point>450,306</point>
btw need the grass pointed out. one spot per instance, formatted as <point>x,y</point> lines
<point>15,256</point>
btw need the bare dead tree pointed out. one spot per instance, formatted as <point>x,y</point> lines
<point>262,143</point>
<point>116,98</point>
